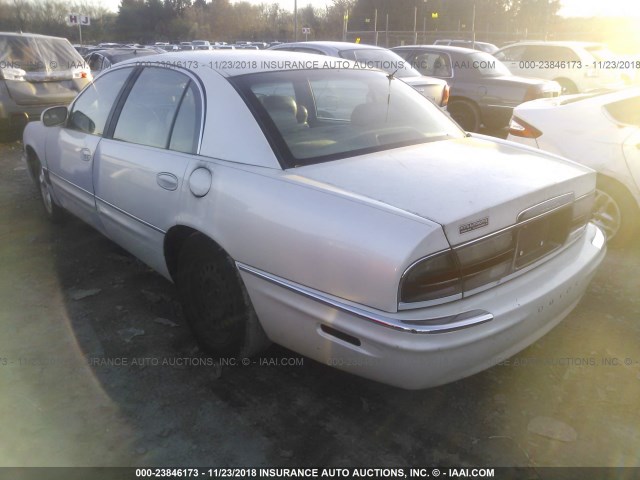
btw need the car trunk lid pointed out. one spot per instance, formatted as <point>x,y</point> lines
<point>471,186</point>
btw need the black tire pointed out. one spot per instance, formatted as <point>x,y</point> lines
<point>52,210</point>
<point>466,114</point>
<point>567,86</point>
<point>215,301</point>
<point>615,212</point>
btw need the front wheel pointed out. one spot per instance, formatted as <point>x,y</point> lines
<point>215,301</point>
<point>615,212</point>
<point>466,114</point>
<point>54,212</point>
<point>567,87</point>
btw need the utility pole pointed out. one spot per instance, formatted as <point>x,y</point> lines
<point>375,25</point>
<point>345,24</point>
<point>473,25</point>
<point>386,32</point>
<point>295,20</point>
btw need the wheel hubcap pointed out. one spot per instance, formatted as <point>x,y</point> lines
<point>606,214</point>
<point>44,191</point>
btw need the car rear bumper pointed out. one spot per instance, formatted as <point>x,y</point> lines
<point>502,321</point>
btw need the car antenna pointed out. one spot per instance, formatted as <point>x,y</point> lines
<point>390,76</point>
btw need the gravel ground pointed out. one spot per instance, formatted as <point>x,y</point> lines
<point>98,369</point>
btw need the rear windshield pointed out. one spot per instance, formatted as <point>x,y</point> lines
<point>38,54</point>
<point>383,59</point>
<point>312,116</point>
<point>600,52</point>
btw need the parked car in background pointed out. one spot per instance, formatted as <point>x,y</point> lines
<point>601,131</point>
<point>110,45</point>
<point>481,46</point>
<point>83,49</point>
<point>483,91</point>
<point>102,59</point>
<point>372,56</point>
<point>382,240</point>
<point>201,44</point>
<point>36,71</point>
<point>576,66</point>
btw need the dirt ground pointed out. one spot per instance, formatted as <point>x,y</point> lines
<point>97,368</point>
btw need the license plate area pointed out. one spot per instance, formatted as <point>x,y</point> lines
<point>541,236</point>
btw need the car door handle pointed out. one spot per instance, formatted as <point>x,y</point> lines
<point>85,154</point>
<point>168,181</point>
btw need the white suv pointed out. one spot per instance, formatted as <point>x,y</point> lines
<point>576,66</point>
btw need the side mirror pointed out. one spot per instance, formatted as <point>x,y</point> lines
<point>54,116</point>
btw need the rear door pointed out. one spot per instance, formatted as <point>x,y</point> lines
<point>141,166</point>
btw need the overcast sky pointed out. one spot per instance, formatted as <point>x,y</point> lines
<point>571,8</point>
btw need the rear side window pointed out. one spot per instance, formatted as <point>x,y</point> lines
<point>511,54</point>
<point>90,111</point>
<point>153,108</point>
<point>545,53</point>
<point>184,137</point>
<point>432,64</point>
<point>625,111</point>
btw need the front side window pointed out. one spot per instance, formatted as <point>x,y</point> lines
<point>314,116</point>
<point>148,115</point>
<point>90,111</point>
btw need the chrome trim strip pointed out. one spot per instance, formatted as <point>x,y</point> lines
<point>435,325</point>
<point>129,215</point>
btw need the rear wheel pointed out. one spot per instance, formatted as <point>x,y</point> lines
<point>215,301</point>
<point>615,212</point>
<point>465,113</point>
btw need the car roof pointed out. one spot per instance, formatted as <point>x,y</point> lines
<point>330,45</point>
<point>440,48</point>
<point>117,52</point>
<point>461,40</point>
<point>246,60</point>
<point>31,35</point>
<point>556,43</point>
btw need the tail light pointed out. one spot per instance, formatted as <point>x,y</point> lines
<point>532,93</point>
<point>445,96</point>
<point>82,73</point>
<point>520,128</point>
<point>12,73</point>
<point>482,263</point>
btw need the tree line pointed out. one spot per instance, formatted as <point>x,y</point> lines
<point>147,21</point>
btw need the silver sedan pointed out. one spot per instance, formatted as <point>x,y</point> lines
<point>334,211</point>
